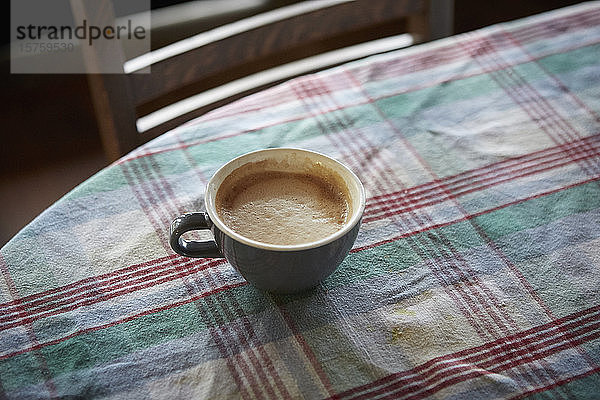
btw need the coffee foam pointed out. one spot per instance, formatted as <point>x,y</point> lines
<point>288,202</point>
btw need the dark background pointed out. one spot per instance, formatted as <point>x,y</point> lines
<point>50,142</point>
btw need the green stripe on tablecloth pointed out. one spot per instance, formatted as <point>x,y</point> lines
<point>540,211</point>
<point>166,164</point>
<point>340,357</point>
<point>529,72</point>
<point>20,371</point>
<point>108,179</point>
<point>227,305</point>
<point>92,348</point>
<point>584,388</point>
<point>399,255</point>
<point>572,60</point>
<point>559,63</point>
<point>406,104</point>
<point>212,155</point>
<point>110,343</point>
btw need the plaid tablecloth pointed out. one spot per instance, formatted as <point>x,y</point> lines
<point>476,273</point>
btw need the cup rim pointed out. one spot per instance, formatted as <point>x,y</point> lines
<point>216,220</point>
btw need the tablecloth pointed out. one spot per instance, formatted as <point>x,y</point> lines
<point>475,275</point>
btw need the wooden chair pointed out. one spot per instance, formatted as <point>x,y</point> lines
<point>224,64</point>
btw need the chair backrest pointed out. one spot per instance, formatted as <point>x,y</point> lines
<point>225,63</point>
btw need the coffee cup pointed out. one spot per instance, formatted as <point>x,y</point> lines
<point>284,218</point>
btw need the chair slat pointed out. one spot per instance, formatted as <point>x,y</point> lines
<point>263,42</point>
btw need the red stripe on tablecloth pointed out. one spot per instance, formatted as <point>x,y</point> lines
<point>144,279</point>
<point>248,327</point>
<point>41,359</point>
<point>230,331</point>
<point>83,282</point>
<point>573,338</point>
<point>25,317</point>
<point>472,215</point>
<point>162,188</point>
<point>146,208</point>
<point>203,180</point>
<point>495,359</point>
<point>396,206</point>
<point>158,203</point>
<point>123,320</point>
<point>101,285</point>
<point>306,349</point>
<point>227,348</point>
<point>215,334</point>
<point>491,354</point>
<point>482,174</point>
<point>242,327</point>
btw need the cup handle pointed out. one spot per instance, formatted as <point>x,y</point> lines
<point>190,248</point>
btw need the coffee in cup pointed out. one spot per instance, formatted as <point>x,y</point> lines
<point>263,202</point>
